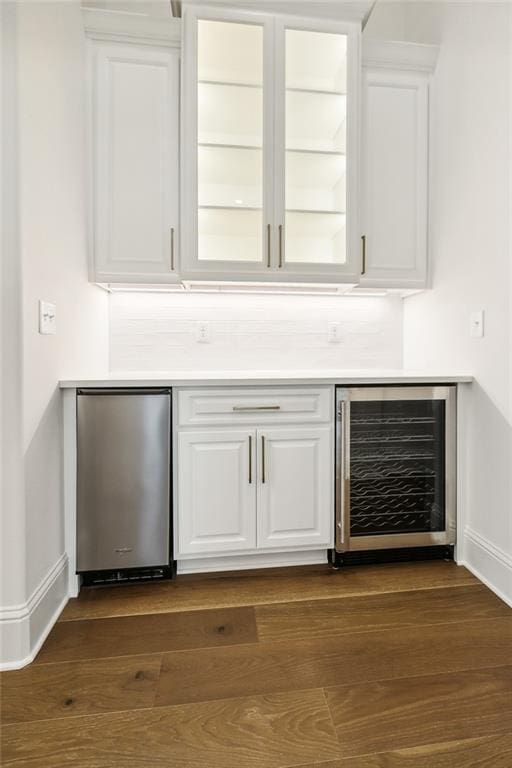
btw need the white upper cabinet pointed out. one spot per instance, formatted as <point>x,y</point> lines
<point>269,127</point>
<point>394,194</point>
<point>135,153</point>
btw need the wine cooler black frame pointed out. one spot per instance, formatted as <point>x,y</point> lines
<point>444,535</point>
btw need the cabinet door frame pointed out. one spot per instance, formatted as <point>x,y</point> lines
<point>192,267</point>
<point>398,277</point>
<point>185,545</point>
<point>101,56</point>
<point>324,493</point>
<point>348,272</point>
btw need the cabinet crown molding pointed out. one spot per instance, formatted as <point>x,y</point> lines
<point>131,28</point>
<point>341,10</point>
<point>390,54</point>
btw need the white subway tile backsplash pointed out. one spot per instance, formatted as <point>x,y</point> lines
<point>157,331</point>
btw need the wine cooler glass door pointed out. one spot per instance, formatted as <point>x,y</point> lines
<point>401,467</point>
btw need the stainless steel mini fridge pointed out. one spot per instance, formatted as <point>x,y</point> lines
<point>123,479</point>
<point>395,467</point>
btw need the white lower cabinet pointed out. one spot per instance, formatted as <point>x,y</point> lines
<point>294,493</point>
<point>217,491</point>
<point>260,487</point>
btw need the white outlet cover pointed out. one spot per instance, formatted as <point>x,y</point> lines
<point>203,334</point>
<point>47,318</point>
<point>334,333</point>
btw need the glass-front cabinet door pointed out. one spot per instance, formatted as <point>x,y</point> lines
<point>270,109</point>
<point>227,140</point>
<point>314,195</point>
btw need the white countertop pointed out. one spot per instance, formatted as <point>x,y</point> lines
<point>233,378</point>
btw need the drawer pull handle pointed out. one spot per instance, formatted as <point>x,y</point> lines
<point>262,458</point>
<point>256,407</point>
<point>250,459</point>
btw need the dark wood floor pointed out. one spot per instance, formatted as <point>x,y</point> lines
<point>391,666</point>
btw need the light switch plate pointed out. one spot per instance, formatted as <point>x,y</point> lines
<point>477,324</point>
<point>47,317</point>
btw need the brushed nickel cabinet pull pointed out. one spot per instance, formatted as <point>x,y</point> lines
<point>268,245</point>
<point>363,254</point>
<point>172,249</point>
<point>280,245</point>
<point>262,458</point>
<point>250,459</point>
<point>256,407</point>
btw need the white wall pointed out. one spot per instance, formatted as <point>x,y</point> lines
<point>52,251</point>
<point>471,260</point>
<point>12,538</point>
<point>387,21</point>
<point>151,332</point>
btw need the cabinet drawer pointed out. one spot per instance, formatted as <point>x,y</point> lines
<point>255,406</point>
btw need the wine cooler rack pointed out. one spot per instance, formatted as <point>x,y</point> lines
<point>396,467</point>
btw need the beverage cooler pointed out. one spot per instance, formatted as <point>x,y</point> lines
<point>395,470</point>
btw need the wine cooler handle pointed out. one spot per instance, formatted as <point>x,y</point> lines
<point>343,510</point>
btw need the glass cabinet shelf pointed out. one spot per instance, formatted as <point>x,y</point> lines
<point>315,237</point>
<point>316,60</point>
<point>230,52</point>
<point>230,234</point>
<point>315,120</point>
<point>315,182</point>
<point>221,145</point>
<point>314,211</point>
<point>229,114</point>
<point>230,176</point>
<point>230,83</point>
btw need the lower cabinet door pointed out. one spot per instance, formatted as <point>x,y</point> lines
<point>295,487</point>
<point>216,491</point>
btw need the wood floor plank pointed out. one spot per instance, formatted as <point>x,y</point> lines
<point>130,635</point>
<point>393,714</point>
<point>42,691</point>
<point>321,618</point>
<point>203,591</point>
<point>256,732</point>
<point>216,673</point>
<point>486,752</point>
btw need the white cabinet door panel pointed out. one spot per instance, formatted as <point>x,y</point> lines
<point>295,487</point>
<point>270,147</point>
<point>216,491</point>
<point>136,169</point>
<point>395,161</point>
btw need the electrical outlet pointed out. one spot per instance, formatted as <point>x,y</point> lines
<point>477,324</point>
<point>47,317</point>
<point>334,333</point>
<point>203,332</point>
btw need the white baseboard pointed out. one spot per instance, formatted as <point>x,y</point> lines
<point>25,627</point>
<point>489,564</point>
<point>247,562</point>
